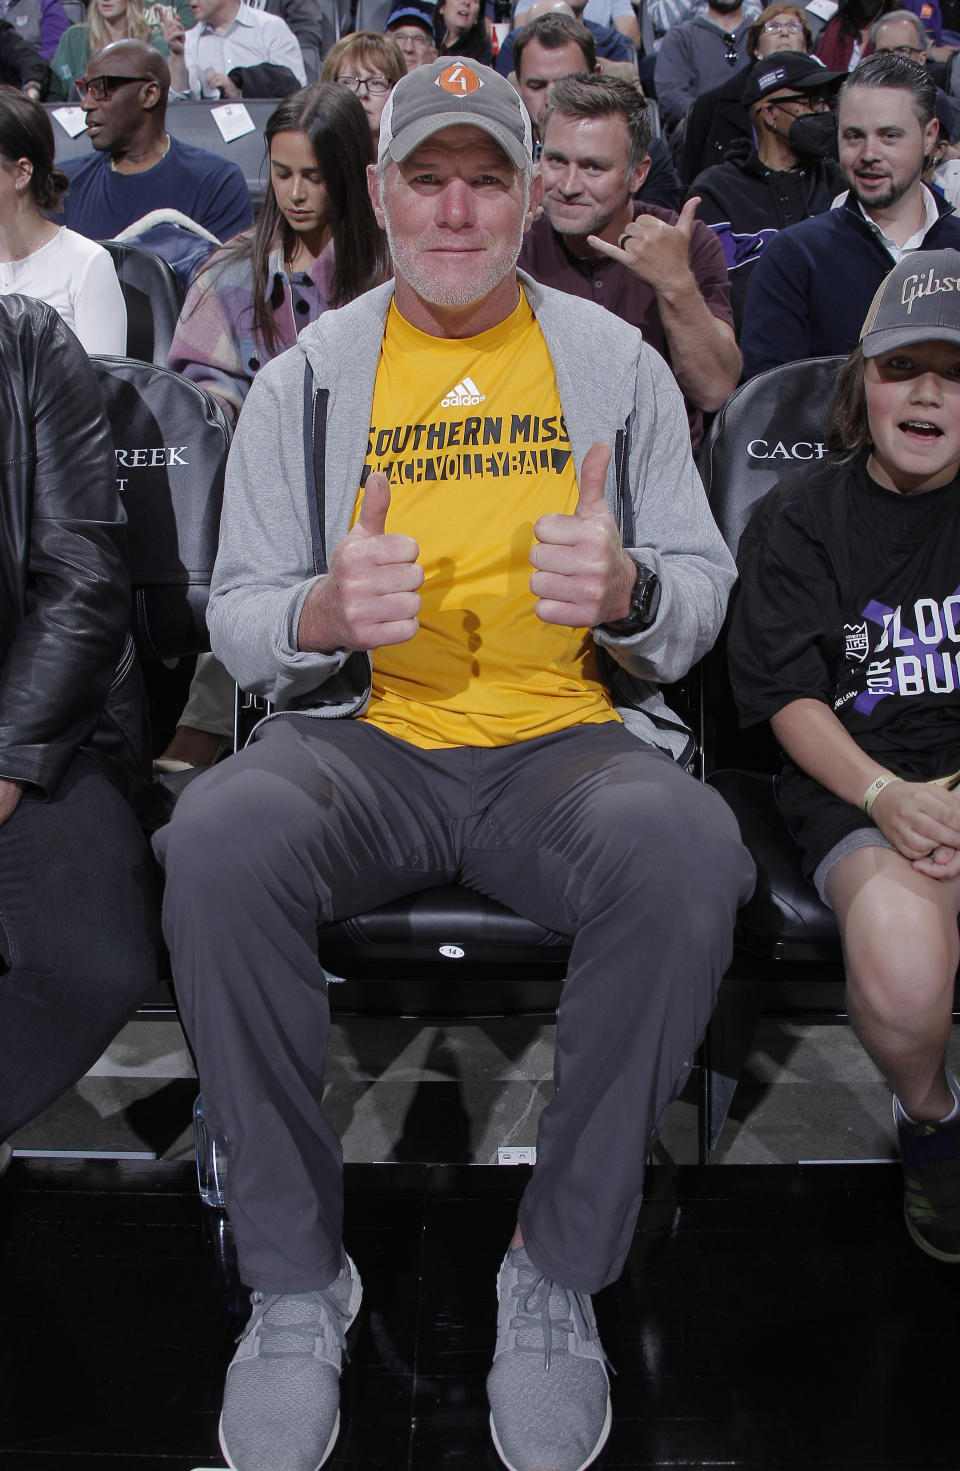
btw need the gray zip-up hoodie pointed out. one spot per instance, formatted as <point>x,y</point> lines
<point>296,465</point>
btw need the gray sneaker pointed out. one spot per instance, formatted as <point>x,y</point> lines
<point>281,1401</point>
<point>548,1389</point>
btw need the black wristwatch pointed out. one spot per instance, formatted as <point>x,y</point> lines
<point>644,604</point>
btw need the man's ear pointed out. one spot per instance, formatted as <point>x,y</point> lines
<point>536,196</point>
<point>150,95</point>
<point>639,174</point>
<point>375,181</point>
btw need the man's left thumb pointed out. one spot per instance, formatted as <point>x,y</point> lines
<point>593,474</point>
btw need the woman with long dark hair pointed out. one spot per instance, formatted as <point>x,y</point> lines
<point>315,244</point>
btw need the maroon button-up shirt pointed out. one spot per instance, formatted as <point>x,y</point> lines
<point>546,257</point>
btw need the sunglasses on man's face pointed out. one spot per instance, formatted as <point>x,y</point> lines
<point>101,87</point>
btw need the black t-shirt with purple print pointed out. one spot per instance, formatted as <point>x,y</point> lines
<point>850,594</point>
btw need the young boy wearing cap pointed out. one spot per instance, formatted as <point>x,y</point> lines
<point>446,711</point>
<point>846,636</point>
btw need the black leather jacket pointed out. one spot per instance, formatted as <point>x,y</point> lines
<point>68,677</point>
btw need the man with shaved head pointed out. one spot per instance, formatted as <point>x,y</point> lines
<point>136,165</point>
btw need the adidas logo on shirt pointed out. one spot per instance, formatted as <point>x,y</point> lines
<point>466,392</point>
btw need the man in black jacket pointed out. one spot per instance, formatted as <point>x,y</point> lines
<point>787,177</point>
<point>78,927</point>
<point>718,118</point>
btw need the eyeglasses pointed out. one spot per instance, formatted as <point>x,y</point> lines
<point>418,39</point>
<point>731,55</point>
<point>812,104</point>
<point>902,50</point>
<point>783,27</point>
<point>376,86</point>
<point>101,87</point>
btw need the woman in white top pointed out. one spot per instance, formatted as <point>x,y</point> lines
<point>38,258</point>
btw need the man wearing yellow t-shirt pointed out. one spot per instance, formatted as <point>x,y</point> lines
<point>463,544</point>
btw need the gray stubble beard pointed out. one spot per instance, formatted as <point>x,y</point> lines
<point>451,295</point>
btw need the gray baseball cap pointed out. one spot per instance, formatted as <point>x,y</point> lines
<point>918,301</point>
<point>451,90</point>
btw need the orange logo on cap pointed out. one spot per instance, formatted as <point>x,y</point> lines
<point>458,79</point>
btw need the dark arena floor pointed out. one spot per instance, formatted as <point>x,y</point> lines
<point>772,1316</point>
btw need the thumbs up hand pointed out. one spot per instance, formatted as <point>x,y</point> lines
<point>369,597</point>
<point>583,577</point>
<point>654,251</point>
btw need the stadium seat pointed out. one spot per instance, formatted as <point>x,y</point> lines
<point>152,295</point>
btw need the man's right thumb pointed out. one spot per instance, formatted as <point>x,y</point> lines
<point>375,505</point>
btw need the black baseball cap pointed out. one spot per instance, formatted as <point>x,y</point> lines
<point>794,69</point>
<point>918,301</point>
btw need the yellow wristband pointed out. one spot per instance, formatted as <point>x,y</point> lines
<point>875,788</point>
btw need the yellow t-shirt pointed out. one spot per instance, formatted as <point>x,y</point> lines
<point>470,435</point>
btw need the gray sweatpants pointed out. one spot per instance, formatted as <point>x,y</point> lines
<point>589,832</point>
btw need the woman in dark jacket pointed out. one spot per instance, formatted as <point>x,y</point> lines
<point>78,928</point>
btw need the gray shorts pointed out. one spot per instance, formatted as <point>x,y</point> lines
<point>863,837</point>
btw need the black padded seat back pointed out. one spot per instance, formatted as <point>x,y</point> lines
<point>153,300</point>
<point>768,426</point>
<point>171,440</point>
